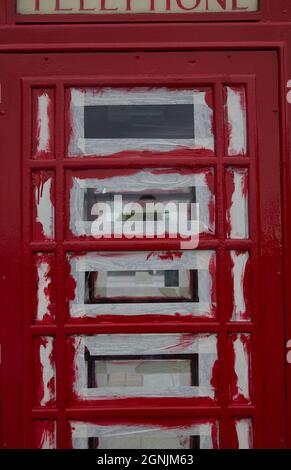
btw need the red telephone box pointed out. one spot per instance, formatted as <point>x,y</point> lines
<point>143,342</point>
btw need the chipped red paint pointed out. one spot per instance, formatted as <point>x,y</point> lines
<point>171,256</point>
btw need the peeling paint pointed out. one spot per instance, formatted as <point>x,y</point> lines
<point>238,271</point>
<point>237,203</point>
<point>244,430</point>
<point>236,120</point>
<point>203,137</point>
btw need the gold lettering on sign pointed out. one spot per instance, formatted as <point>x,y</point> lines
<point>109,7</point>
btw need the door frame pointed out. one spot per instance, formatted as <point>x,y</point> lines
<point>280,50</point>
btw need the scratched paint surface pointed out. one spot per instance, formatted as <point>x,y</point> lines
<point>139,268</point>
<point>43,223</point>
<point>167,385</point>
<point>237,203</point>
<point>45,432</point>
<point>236,121</point>
<point>204,433</point>
<point>43,123</point>
<point>199,135</point>
<point>45,371</point>
<point>153,186</point>
<point>44,288</point>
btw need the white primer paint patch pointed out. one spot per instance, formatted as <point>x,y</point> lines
<point>141,261</point>
<point>203,137</point>
<point>43,121</point>
<point>151,436</point>
<point>244,430</point>
<point>147,344</point>
<point>239,261</point>
<point>242,366</point>
<point>45,209</point>
<point>48,369</point>
<point>145,180</point>
<point>46,433</point>
<point>236,113</point>
<point>238,212</point>
<point>48,440</point>
<point>43,298</point>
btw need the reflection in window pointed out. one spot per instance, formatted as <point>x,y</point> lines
<point>141,121</point>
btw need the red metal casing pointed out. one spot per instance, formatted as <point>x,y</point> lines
<point>58,52</point>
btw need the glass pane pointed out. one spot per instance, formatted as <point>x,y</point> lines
<point>154,121</point>
<point>141,371</point>
<point>244,433</point>
<point>45,434</point>
<point>142,283</point>
<point>237,203</point>
<point>158,192</point>
<point>240,375</point>
<point>200,434</point>
<point>143,365</point>
<point>43,123</point>
<point>236,120</point>
<point>141,286</point>
<point>105,121</point>
<point>45,371</point>
<point>44,287</point>
<point>240,285</point>
<point>43,223</point>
